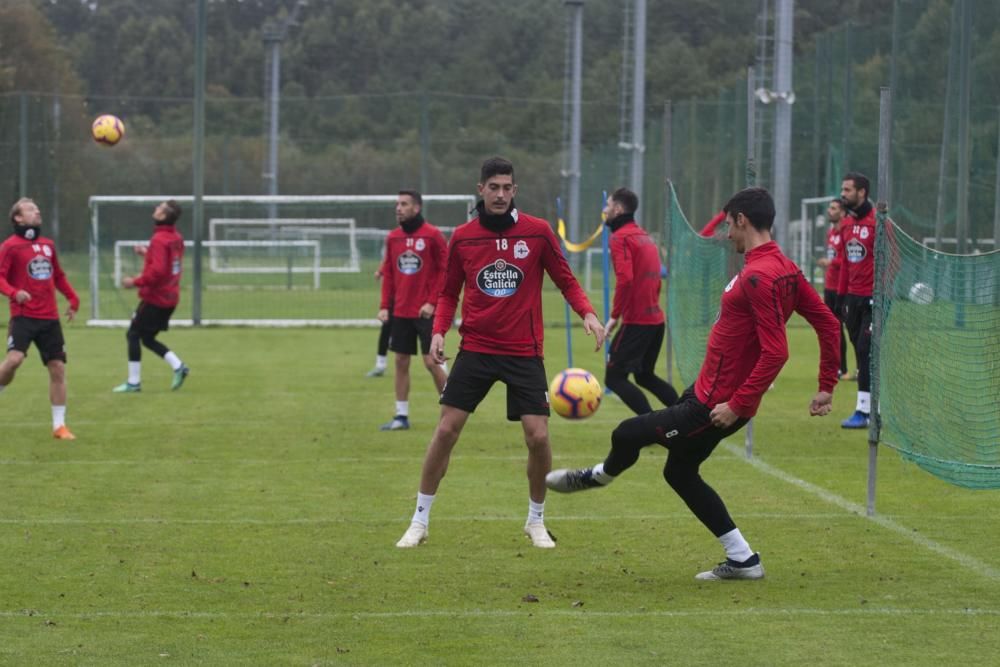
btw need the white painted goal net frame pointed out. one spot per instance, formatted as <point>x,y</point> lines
<point>97,201</point>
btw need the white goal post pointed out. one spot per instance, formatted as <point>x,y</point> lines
<point>348,253</point>
<point>278,228</point>
<point>314,267</point>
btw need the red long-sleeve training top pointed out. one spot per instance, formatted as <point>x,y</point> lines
<point>637,276</point>
<point>32,266</point>
<point>747,346</point>
<point>502,276</point>
<point>160,282</point>
<point>413,270</point>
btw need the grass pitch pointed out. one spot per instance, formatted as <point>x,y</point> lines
<point>250,518</point>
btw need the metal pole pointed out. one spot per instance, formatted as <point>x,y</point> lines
<point>996,193</point>
<point>272,131</point>
<point>751,170</point>
<point>751,181</point>
<point>425,144</point>
<point>576,93</point>
<point>882,207</point>
<point>22,179</point>
<point>199,156</point>
<point>783,119</point>
<point>668,169</point>
<point>639,99</point>
<point>57,132</point>
<point>848,99</point>
<point>964,148</point>
<point>949,95</point>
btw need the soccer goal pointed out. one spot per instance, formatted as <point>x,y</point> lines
<point>263,260</point>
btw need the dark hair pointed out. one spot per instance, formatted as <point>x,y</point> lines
<point>496,166</point>
<point>173,211</point>
<point>16,208</point>
<point>839,202</point>
<point>756,205</point>
<point>414,195</point>
<point>860,182</point>
<point>627,198</point>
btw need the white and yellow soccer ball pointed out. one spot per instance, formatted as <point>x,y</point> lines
<point>575,393</point>
<point>921,293</point>
<point>107,130</point>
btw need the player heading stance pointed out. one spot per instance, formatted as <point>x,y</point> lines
<point>636,305</point>
<point>415,256</point>
<point>159,292</point>
<point>29,276</point>
<point>499,256</point>
<point>746,349</point>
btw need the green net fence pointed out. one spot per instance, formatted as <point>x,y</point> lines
<point>699,269</point>
<point>936,358</point>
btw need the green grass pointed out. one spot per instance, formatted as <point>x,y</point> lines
<point>250,518</point>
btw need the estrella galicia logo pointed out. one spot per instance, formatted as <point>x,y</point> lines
<point>40,268</point>
<point>499,279</point>
<point>855,251</point>
<point>409,263</point>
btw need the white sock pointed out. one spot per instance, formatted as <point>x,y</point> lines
<point>402,408</point>
<point>58,416</point>
<point>173,360</point>
<point>134,372</point>
<point>444,366</point>
<point>380,361</point>
<point>599,476</point>
<point>423,511</point>
<point>736,547</point>
<point>865,402</point>
<point>536,511</point>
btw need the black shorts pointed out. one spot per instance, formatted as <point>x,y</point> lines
<point>474,374</point>
<point>636,347</point>
<point>150,319</point>
<point>45,334</point>
<point>685,428</point>
<point>406,331</point>
<point>858,316</point>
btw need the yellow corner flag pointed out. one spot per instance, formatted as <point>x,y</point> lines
<point>578,247</point>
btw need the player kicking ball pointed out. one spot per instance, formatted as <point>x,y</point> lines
<point>746,350</point>
<point>159,292</point>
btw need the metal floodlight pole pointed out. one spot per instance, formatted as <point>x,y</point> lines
<point>639,99</point>
<point>996,194</point>
<point>964,146</point>
<point>575,8</point>
<point>273,35</point>
<point>783,119</point>
<point>198,167</point>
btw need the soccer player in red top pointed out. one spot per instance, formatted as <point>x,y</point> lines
<point>856,284</point>
<point>636,305</point>
<point>745,352</point>
<point>499,257</point>
<point>159,292</point>
<point>29,276</point>
<point>836,213</point>
<point>415,255</point>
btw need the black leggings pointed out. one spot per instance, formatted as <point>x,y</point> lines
<point>688,434</point>
<point>383,337</point>
<point>148,339</point>
<point>617,380</point>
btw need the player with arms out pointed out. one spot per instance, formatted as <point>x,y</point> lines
<point>746,350</point>
<point>159,293</point>
<point>415,255</point>
<point>499,257</point>
<point>636,305</point>
<point>29,276</point>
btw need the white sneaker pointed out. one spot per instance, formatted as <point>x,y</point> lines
<point>540,537</point>
<point>414,536</point>
<point>730,569</point>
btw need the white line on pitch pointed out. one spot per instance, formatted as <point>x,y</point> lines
<point>965,560</point>
<point>73,521</point>
<point>533,611</point>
